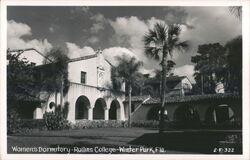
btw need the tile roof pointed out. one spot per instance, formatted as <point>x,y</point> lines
<point>176,99</point>
<point>175,78</point>
<point>137,98</point>
<point>168,79</point>
<point>83,58</point>
<point>192,98</point>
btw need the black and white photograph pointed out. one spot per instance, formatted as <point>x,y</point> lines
<point>125,79</point>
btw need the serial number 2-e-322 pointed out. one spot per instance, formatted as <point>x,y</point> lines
<point>223,150</point>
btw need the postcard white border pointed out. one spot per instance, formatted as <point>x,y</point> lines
<point>246,82</point>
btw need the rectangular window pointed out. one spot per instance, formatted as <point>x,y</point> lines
<point>83,77</point>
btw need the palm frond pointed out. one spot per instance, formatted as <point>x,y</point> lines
<point>154,39</point>
<point>162,40</point>
<point>150,37</point>
<point>153,52</point>
<point>174,30</point>
<point>236,10</point>
<point>182,46</point>
<point>161,31</point>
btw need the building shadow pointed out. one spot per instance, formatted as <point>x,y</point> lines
<point>203,142</point>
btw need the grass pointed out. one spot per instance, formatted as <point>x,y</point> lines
<point>185,141</point>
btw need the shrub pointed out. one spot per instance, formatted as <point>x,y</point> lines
<point>145,124</point>
<point>82,124</point>
<point>55,120</point>
<point>32,124</point>
<point>234,138</point>
<point>13,121</point>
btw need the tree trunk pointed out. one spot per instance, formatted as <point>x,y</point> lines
<point>228,82</point>
<point>163,94</point>
<point>140,91</point>
<point>129,104</point>
<point>202,87</point>
<point>55,98</point>
<point>61,90</point>
<point>160,89</point>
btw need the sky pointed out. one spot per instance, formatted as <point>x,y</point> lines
<point>81,30</point>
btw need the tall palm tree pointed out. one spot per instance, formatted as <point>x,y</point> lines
<point>57,74</point>
<point>158,73</point>
<point>160,42</point>
<point>127,71</point>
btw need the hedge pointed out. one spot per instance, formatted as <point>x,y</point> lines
<point>32,123</point>
<point>145,124</point>
<point>82,124</point>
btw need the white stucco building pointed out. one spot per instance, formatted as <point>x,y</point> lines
<point>88,95</point>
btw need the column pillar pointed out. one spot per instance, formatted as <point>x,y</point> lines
<point>106,114</point>
<point>90,114</point>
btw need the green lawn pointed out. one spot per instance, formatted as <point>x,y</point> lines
<point>172,141</point>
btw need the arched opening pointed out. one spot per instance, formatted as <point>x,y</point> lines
<point>52,105</point>
<point>98,111</point>
<point>186,115</point>
<point>82,105</point>
<point>219,114</point>
<point>114,111</point>
<point>153,113</point>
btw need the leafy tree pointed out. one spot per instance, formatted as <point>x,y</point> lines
<point>210,65</point>
<point>20,87</point>
<point>25,80</point>
<point>20,80</point>
<point>160,42</point>
<point>216,63</point>
<point>55,73</point>
<point>234,65</point>
<point>127,71</point>
<point>139,89</point>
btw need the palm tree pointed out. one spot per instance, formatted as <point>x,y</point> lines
<point>127,71</point>
<point>158,73</point>
<point>56,73</point>
<point>160,42</point>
